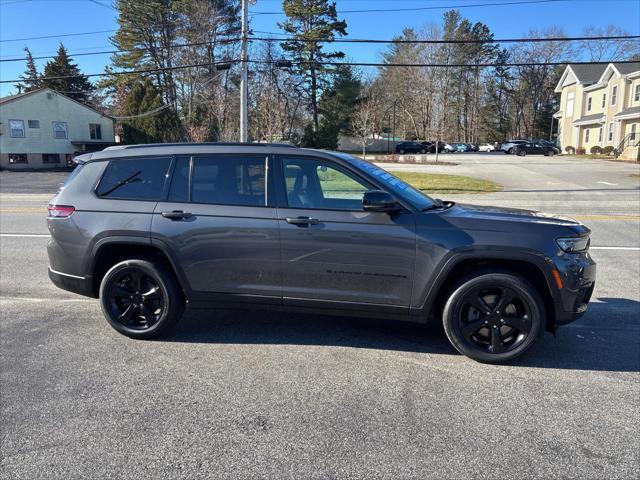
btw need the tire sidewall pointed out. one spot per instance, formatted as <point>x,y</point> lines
<point>167,286</point>
<point>520,285</point>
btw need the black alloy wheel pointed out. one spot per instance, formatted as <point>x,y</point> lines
<point>493,317</point>
<point>141,298</point>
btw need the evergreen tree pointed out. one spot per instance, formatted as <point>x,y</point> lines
<point>73,84</point>
<point>309,22</point>
<point>147,122</point>
<point>30,79</point>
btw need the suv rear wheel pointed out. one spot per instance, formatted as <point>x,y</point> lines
<point>141,298</point>
<point>493,317</point>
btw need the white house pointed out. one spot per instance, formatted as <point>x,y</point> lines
<point>44,129</point>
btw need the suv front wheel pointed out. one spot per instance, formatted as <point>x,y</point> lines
<point>493,317</point>
<point>141,298</point>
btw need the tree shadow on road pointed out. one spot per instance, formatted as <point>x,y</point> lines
<point>605,339</point>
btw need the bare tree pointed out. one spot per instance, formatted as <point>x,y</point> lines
<point>608,50</point>
<point>363,122</point>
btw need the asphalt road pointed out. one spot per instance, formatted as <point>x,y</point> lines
<point>255,395</point>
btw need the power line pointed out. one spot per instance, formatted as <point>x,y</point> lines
<point>56,36</point>
<point>347,40</point>
<point>355,64</point>
<point>439,7</point>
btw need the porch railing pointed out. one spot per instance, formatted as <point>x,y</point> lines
<point>629,140</point>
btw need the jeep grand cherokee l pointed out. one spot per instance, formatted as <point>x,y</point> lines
<point>147,228</point>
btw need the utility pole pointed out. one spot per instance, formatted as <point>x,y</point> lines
<point>244,75</point>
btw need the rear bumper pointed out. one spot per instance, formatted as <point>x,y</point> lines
<point>72,283</point>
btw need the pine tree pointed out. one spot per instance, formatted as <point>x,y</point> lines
<point>309,22</point>
<point>73,83</point>
<point>150,123</point>
<point>30,79</point>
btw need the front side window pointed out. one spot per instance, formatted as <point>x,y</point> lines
<point>227,180</point>
<point>614,94</point>
<point>16,128</point>
<point>317,184</point>
<point>134,179</point>
<point>95,131</point>
<point>60,130</point>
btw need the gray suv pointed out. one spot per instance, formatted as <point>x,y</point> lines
<point>148,228</point>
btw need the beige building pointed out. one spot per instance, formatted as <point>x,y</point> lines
<point>600,105</point>
<point>44,129</point>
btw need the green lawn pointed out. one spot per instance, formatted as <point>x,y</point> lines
<point>441,183</point>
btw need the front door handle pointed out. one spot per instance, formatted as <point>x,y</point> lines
<point>302,221</point>
<point>176,215</point>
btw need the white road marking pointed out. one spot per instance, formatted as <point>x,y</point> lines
<point>25,235</point>
<point>38,300</point>
<point>607,183</point>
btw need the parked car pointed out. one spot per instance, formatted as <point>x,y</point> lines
<point>510,145</point>
<point>486,147</point>
<point>410,147</point>
<point>473,147</point>
<point>431,146</point>
<point>450,148</point>
<point>460,147</point>
<point>147,228</point>
<point>547,143</point>
<point>534,148</point>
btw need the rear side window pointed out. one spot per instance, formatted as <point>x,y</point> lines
<point>225,180</point>
<point>134,179</point>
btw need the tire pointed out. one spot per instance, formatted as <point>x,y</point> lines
<point>423,151</point>
<point>521,153</point>
<point>550,153</point>
<point>401,151</point>
<point>130,310</point>
<point>502,332</point>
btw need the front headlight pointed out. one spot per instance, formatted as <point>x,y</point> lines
<point>573,244</point>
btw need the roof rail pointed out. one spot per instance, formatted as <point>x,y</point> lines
<point>197,144</point>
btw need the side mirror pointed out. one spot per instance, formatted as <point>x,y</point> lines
<point>379,201</point>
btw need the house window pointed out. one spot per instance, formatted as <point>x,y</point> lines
<point>636,95</point>
<point>95,131</point>
<point>50,158</point>
<point>632,137</point>
<point>604,100</point>
<point>586,136</point>
<point>16,128</point>
<point>33,123</point>
<point>570,97</point>
<point>589,104</point>
<point>614,94</point>
<point>600,135</point>
<point>610,136</point>
<point>60,130</point>
<point>17,158</point>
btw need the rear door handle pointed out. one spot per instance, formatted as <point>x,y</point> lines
<point>302,221</point>
<point>176,215</point>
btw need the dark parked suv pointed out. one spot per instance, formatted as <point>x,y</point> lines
<point>148,228</point>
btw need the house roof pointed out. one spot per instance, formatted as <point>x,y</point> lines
<point>588,74</point>
<point>627,68</point>
<point>590,119</point>
<point>593,74</point>
<point>18,96</point>
<point>628,112</point>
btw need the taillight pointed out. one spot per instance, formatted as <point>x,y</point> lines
<point>60,211</point>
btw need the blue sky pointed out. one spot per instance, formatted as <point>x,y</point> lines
<point>30,18</point>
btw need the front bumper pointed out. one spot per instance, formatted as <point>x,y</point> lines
<point>72,283</point>
<point>578,275</point>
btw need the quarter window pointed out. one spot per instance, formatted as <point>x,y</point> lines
<point>60,130</point>
<point>226,180</point>
<point>135,179</point>
<point>16,128</point>
<point>315,184</point>
<point>95,131</point>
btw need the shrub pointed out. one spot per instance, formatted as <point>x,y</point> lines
<point>608,150</point>
<point>595,149</point>
<point>580,151</point>
<point>570,150</point>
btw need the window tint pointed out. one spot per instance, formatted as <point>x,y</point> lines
<point>179,190</point>
<point>319,185</point>
<point>224,180</point>
<point>136,178</point>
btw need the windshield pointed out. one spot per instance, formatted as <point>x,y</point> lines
<point>392,183</point>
